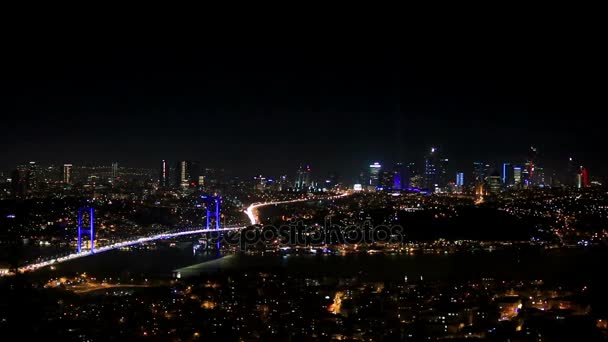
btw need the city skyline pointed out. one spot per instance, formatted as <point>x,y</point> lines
<point>286,106</point>
<point>561,171</point>
<point>353,194</point>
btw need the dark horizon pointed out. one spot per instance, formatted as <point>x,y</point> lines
<point>268,110</point>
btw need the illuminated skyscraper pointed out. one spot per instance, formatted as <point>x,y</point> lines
<point>539,176</point>
<point>480,173</point>
<point>494,182</point>
<point>374,175</point>
<point>400,177</point>
<point>507,174</point>
<point>582,178</point>
<point>182,173</point>
<point>67,173</point>
<point>528,173</point>
<point>435,172</point>
<point>163,178</point>
<point>114,171</point>
<point>525,175</point>
<point>430,171</point>
<point>33,175</point>
<point>517,175</point>
<point>387,179</point>
<point>460,179</point>
<point>303,178</point>
<point>186,173</point>
<point>411,173</point>
<point>442,173</point>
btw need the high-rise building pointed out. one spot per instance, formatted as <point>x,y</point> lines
<point>303,178</point>
<point>442,173</point>
<point>186,174</point>
<point>539,176</point>
<point>528,173</point>
<point>19,182</point>
<point>480,173</point>
<point>374,175</point>
<point>33,174</point>
<point>387,179</point>
<point>525,175</point>
<point>582,178</point>
<point>67,173</point>
<point>517,177</point>
<point>114,170</point>
<point>460,179</point>
<point>430,179</point>
<point>507,174</point>
<point>435,172</point>
<point>163,178</point>
<point>282,183</point>
<point>195,172</point>
<point>400,177</point>
<point>494,182</point>
<point>411,173</point>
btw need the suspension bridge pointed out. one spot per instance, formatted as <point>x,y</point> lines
<point>213,204</point>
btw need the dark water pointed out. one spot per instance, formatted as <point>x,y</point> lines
<point>564,265</point>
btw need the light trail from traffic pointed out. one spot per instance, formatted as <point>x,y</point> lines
<point>35,266</point>
<point>249,212</point>
<point>251,215</point>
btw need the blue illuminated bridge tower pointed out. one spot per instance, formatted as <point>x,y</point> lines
<point>213,204</point>
<point>90,231</point>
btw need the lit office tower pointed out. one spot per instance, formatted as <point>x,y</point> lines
<point>507,174</point>
<point>67,173</point>
<point>33,173</point>
<point>528,172</point>
<point>430,171</point>
<point>525,175</point>
<point>582,178</point>
<point>303,178</point>
<point>480,173</point>
<point>539,176</point>
<point>414,178</point>
<point>435,172</point>
<point>494,182</point>
<point>516,175</point>
<point>460,179</point>
<point>184,173</point>
<point>387,179</point>
<point>114,170</point>
<point>163,178</point>
<point>374,175</point>
<point>400,177</point>
<point>442,173</point>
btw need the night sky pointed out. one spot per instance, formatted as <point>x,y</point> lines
<point>269,110</point>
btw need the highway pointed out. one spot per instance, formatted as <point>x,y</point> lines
<point>250,210</point>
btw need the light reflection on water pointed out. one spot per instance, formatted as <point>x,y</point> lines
<point>563,265</point>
